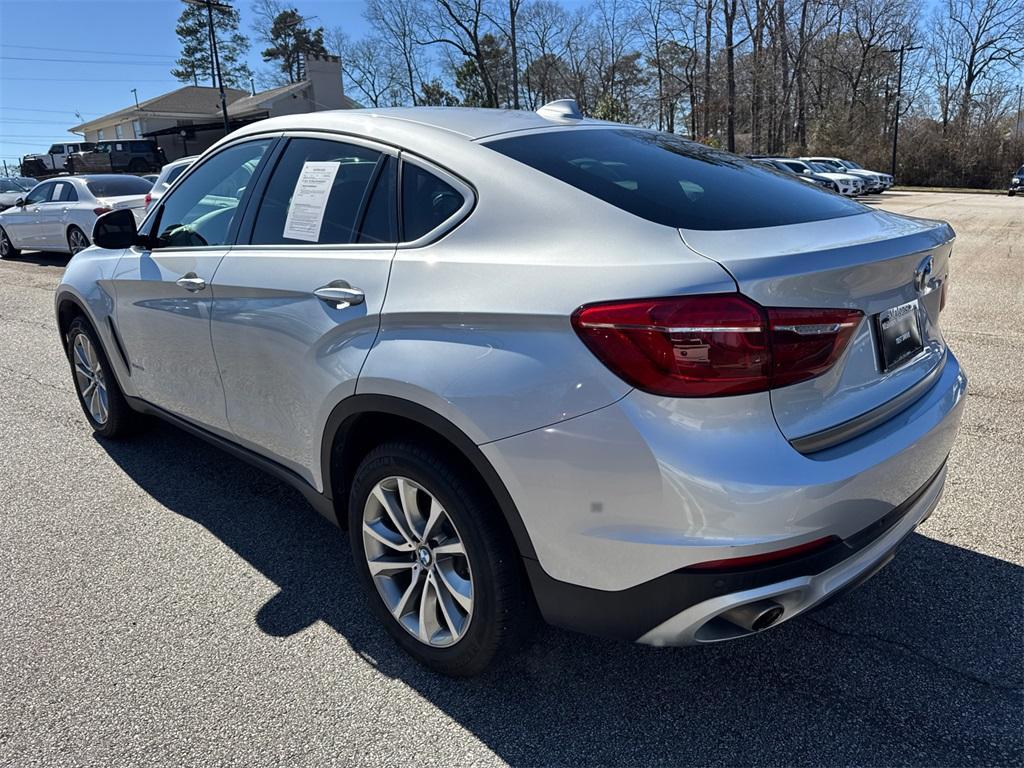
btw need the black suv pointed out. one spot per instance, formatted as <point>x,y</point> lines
<point>1017,182</point>
<point>127,155</point>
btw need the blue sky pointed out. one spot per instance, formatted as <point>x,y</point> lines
<point>115,45</point>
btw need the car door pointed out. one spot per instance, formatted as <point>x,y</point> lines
<point>52,213</point>
<point>297,300</point>
<point>23,222</point>
<point>163,299</point>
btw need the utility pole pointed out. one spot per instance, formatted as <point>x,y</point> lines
<point>1020,102</point>
<point>899,92</point>
<point>218,75</point>
<point>135,93</point>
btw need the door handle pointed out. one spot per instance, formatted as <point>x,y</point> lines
<point>340,294</point>
<point>190,282</point>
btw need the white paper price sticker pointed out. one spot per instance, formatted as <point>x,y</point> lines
<point>309,200</point>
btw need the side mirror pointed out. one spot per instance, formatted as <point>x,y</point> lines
<point>116,230</point>
<point>20,202</point>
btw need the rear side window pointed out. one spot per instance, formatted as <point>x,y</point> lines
<point>665,179</point>
<point>173,174</point>
<point>113,186</point>
<point>427,202</point>
<point>315,193</point>
<point>68,193</point>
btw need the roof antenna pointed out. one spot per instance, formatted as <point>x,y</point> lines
<point>562,109</point>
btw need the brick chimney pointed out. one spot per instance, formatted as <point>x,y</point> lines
<point>324,76</point>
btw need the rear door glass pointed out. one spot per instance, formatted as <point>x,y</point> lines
<point>668,180</point>
<point>380,222</point>
<point>341,172</point>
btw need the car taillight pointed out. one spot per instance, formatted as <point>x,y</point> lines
<point>101,211</point>
<point>709,346</point>
<point>149,199</point>
<point>807,342</point>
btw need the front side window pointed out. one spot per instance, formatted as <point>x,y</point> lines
<point>200,211</point>
<point>39,194</point>
<point>668,180</point>
<point>315,194</point>
<point>56,149</point>
<point>427,202</point>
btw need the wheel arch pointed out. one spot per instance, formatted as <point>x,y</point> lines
<point>360,422</point>
<point>69,306</point>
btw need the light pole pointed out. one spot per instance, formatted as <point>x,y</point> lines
<point>210,5</point>
<point>899,92</point>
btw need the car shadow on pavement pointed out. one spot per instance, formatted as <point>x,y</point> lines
<point>921,666</point>
<point>41,258</point>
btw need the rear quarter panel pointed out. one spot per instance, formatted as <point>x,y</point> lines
<point>476,326</point>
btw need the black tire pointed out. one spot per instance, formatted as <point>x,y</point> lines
<point>120,420</point>
<point>77,240</point>
<point>503,612</point>
<point>7,249</point>
<point>1010,194</point>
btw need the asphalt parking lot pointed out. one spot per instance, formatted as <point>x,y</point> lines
<point>164,604</point>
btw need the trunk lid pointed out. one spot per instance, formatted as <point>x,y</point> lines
<point>866,262</point>
<point>136,203</point>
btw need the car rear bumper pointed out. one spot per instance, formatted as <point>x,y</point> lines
<point>708,620</point>
<point>622,502</point>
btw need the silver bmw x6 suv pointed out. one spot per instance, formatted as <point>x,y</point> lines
<point>538,364</point>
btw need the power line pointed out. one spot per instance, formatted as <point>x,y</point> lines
<point>26,121</point>
<point>51,111</point>
<point>83,50</point>
<point>89,61</point>
<point>87,79</point>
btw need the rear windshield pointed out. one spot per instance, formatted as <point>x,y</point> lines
<point>113,186</point>
<point>665,179</point>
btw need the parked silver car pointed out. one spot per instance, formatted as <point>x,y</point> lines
<point>167,176</point>
<point>530,361</point>
<point>59,214</point>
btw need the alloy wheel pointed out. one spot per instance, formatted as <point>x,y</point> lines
<point>418,561</point>
<point>77,241</point>
<point>90,379</point>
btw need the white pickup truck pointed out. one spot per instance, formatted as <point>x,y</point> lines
<point>57,156</point>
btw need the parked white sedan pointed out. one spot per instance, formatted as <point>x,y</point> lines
<point>59,214</point>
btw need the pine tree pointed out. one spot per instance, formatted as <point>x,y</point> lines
<point>290,38</point>
<point>195,64</point>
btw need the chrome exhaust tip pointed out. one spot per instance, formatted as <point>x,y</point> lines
<point>755,616</point>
